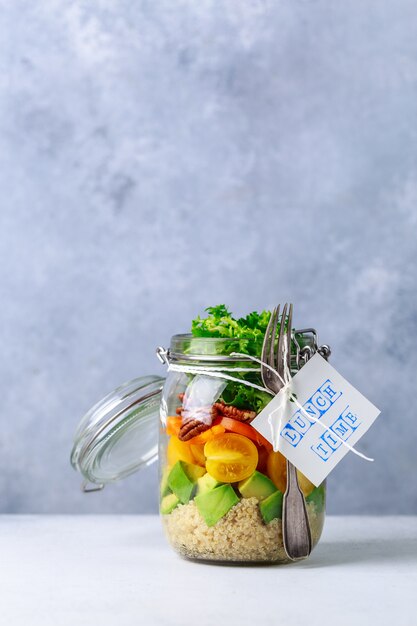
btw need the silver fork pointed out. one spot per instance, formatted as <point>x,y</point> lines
<point>296,531</point>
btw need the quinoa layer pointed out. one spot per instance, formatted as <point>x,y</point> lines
<point>241,535</point>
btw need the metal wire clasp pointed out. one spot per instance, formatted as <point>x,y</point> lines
<point>304,354</point>
<point>163,355</point>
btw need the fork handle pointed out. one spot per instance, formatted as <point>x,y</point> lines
<point>296,531</point>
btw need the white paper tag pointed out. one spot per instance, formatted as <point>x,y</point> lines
<point>326,396</point>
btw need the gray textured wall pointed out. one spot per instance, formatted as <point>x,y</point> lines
<point>158,157</point>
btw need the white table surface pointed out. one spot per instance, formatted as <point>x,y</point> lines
<point>119,571</point>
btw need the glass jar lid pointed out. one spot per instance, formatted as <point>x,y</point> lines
<point>119,434</point>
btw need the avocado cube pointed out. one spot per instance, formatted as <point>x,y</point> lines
<point>271,507</point>
<point>180,483</point>
<point>169,503</point>
<point>194,472</point>
<point>318,497</point>
<point>214,504</point>
<point>164,489</point>
<point>206,483</point>
<point>182,479</point>
<point>257,486</point>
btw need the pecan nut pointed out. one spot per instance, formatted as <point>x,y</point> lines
<point>196,421</point>
<point>191,429</point>
<point>242,415</point>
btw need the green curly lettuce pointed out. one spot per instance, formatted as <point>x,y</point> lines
<point>244,397</point>
<point>246,335</point>
<point>249,330</point>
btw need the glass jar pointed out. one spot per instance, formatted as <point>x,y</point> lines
<point>221,485</point>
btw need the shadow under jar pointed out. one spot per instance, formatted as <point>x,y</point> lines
<point>221,484</point>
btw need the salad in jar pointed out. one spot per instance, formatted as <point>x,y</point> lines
<point>221,483</point>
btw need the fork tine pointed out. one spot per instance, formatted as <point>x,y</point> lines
<point>269,377</point>
<point>267,346</point>
<point>268,336</point>
<point>279,364</point>
<point>289,336</point>
<point>273,335</point>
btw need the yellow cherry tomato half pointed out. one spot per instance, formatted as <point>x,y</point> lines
<point>230,457</point>
<point>277,472</point>
<point>197,450</point>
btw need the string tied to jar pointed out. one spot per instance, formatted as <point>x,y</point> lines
<point>275,419</point>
